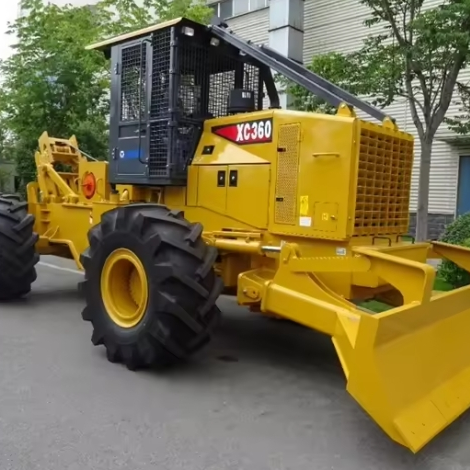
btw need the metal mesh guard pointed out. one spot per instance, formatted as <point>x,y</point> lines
<point>205,76</point>
<point>384,181</point>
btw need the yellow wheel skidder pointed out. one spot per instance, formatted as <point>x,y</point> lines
<point>208,191</point>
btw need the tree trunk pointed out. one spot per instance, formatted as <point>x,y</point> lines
<point>423,191</point>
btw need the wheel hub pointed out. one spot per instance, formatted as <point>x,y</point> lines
<point>124,288</point>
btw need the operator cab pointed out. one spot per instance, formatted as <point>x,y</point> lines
<point>166,81</point>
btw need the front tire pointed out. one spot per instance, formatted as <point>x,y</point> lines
<point>150,286</point>
<point>18,257</point>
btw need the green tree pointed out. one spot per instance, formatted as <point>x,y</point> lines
<point>51,82</point>
<point>417,55</point>
<point>5,177</point>
<point>4,142</point>
<point>129,15</point>
<point>331,66</point>
<point>5,170</point>
<point>460,123</point>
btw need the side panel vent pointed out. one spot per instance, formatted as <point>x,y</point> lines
<point>287,174</point>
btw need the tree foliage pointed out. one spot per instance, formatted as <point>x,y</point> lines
<point>416,54</point>
<point>129,15</point>
<point>51,82</point>
<point>457,233</point>
<point>331,66</point>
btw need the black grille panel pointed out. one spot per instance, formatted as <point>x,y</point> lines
<point>160,74</point>
<point>158,148</point>
<point>133,64</point>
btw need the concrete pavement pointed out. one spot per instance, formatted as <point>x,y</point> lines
<point>264,395</point>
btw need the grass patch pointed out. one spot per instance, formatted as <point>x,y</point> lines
<point>442,285</point>
<point>375,306</point>
<point>378,307</point>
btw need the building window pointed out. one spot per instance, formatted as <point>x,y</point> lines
<point>258,4</point>
<point>240,7</point>
<point>228,8</point>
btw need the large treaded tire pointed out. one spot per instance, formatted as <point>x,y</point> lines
<point>183,287</point>
<point>18,257</point>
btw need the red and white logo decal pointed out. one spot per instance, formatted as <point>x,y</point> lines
<point>249,132</point>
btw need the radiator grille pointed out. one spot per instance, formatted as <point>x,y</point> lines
<point>287,174</point>
<point>384,180</point>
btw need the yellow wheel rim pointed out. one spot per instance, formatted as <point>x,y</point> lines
<point>124,288</point>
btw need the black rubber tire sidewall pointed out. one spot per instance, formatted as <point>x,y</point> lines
<point>111,243</point>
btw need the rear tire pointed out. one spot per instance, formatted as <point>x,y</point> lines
<point>175,268</point>
<point>18,256</point>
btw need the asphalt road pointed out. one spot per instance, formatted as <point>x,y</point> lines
<point>264,395</point>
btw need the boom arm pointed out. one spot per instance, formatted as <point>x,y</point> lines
<point>299,74</point>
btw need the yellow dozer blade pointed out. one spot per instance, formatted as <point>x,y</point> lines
<point>409,367</point>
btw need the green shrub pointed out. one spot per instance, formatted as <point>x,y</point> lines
<point>457,233</point>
